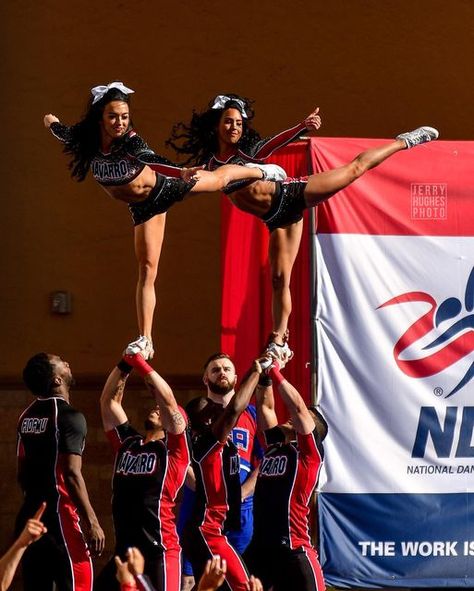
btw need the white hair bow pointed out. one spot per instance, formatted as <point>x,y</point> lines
<point>221,100</point>
<point>99,92</point>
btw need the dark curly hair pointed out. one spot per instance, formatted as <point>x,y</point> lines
<point>198,139</point>
<point>38,375</point>
<point>84,140</point>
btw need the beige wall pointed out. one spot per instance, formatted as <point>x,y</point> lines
<point>375,67</point>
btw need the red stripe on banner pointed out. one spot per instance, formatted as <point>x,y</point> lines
<point>432,363</point>
<point>246,284</point>
<point>426,190</point>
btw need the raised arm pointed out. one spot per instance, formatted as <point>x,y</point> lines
<point>61,132</point>
<point>171,416</point>
<point>111,409</point>
<point>265,148</point>
<point>226,422</point>
<point>32,532</point>
<point>301,417</point>
<point>266,415</point>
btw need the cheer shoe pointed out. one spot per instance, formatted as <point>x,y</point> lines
<point>282,353</point>
<point>421,135</point>
<point>266,362</point>
<point>271,172</point>
<point>142,345</point>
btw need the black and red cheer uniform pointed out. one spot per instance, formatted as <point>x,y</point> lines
<point>47,429</point>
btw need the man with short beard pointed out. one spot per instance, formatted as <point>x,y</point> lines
<point>149,471</point>
<point>51,437</point>
<point>216,466</point>
<point>220,380</point>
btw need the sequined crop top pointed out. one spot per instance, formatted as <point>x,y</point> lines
<point>258,153</point>
<point>127,158</point>
<point>261,150</point>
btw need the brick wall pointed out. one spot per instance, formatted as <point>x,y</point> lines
<point>97,459</point>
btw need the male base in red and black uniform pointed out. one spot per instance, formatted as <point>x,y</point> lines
<point>220,379</point>
<point>218,492</point>
<point>281,553</point>
<point>148,474</point>
<point>51,436</point>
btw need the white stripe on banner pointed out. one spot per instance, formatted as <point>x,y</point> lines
<point>400,450</point>
<point>377,404</point>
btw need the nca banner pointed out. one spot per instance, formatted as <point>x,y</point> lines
<point>395,329</point>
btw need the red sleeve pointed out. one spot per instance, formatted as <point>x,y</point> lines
<point>164,169</point>
<point>178,444</point>
<point>309,448</point>
<point>20,449</point>
<point>117,435</point>
<point>268,146</point>
<point>179,458</point>
<point>183,412</point>
<point>114,439</point>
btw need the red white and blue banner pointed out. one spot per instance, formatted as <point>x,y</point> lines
<point>395,326</point>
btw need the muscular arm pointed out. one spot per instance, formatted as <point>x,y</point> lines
<point>111,408</point>
<point>171,417</point>
<point>248,487</point>
<point>71,465</point>
<point>301,418</point>
<point>226,422</point>
<point>266,415</point>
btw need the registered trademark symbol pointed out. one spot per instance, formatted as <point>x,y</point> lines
<point>438,391</point>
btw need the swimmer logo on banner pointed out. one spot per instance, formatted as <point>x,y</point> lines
<point>395,329</point>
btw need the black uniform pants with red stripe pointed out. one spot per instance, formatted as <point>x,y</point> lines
<point>201,544</point>
<point>284,568</point>
<point>50,560</point>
